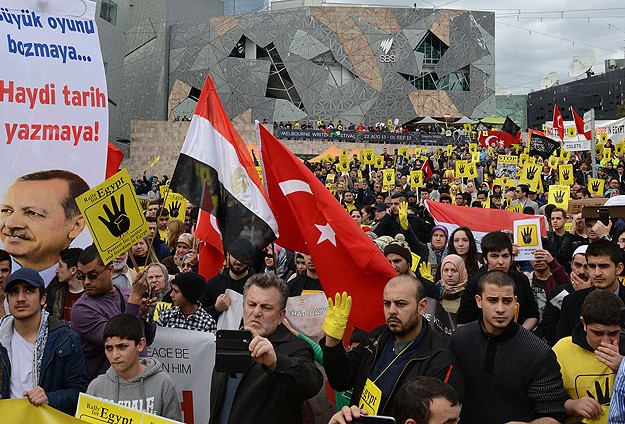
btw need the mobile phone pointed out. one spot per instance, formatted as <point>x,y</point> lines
<point>232,352</point>
<point>604,216</point>
<point>374,419</point>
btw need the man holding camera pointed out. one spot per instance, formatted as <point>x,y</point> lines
<point>282,374</point>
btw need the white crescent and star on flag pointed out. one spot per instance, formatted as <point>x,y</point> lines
<point>294,186</point>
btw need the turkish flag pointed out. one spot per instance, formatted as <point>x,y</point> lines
<point>497,138</point>
<point>427,169</point>
<point>114,158</point>
<point>312,221</point>
<point>579,125</point>
<point>558,123</point>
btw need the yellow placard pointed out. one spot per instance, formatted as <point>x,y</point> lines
<point>367,156</point>
<point>144,201</point>
<point>379,162</point>
<point>565,172</point>
<point>553,161</point>
<point>371,398</point>
<point>472,148</point>
<point>403,151</point>
<point>462,168</point>
<point>501,182</point>
<point>416,179</point>
<point>163,188</point>
<point>603,137</point>
<point>176,205</point>
<point>330,178</point>
<point>596,185</point>
<point>516,149</point>
<point>527,235</point>
<point>599,148</point>
<point>467,127</point>
<point>344,152</point>
<point>571,132</point>
<point>507,159</point>
<point>97,411</point>
<point>475,157</point>
<point>565,155</point>
<point>559,195</point>
<point>529,173</point>
<point>516,208</point>
<point>114,216</point>
<point>619,149</point>
<point>388,178</point>
<point>22,411</point>
<point>523,159</point>
<point>330,158</point>
<point>486,203</point>
<point>156,159</point>
<point>415,261</point>
<point>472,170</point>
<point>607,153</point>
<point>389,122</point>
<point>450,149</point>
<point>568,226</point>
<point>342,166</point>
<point>490,151</point>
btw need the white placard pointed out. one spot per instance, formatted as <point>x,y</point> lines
<point>527,238</point>
<point>230,319</point>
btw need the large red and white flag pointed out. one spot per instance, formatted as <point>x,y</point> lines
<point>579,125</point>
<point>480,221</point>
<point>558,123</point>
<point>495,138</point>
<point>215,172</point>
<point>312,221</point>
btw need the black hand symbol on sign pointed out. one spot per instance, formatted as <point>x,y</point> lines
<point>461,168</point>
<point>174,209</point>
<point>118,222</point>
<point>565,174</point>
<point>531,172</point>
<point>389,177</point>
<point>595,186</point>
<point>559,196</point>
<point>471,170</point>
<point>368,156</point>
<point>526,234</point>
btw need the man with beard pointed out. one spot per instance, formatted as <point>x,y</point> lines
<point>391,355</point>
<point>123,275</point>
<point>239,260</point>
<point>307,282</point>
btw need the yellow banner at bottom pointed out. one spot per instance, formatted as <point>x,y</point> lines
<point>95,410</point>
<point>19,411</point>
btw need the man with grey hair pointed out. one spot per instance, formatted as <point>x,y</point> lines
<point>282,374</point>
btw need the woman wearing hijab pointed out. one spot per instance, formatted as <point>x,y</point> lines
<point>437,247</point>
<point>452,283</point>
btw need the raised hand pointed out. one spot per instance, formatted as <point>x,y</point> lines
<point>174,209</point>
<point>118,222</point>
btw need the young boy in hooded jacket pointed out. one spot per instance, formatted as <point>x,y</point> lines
<point>133,382</point>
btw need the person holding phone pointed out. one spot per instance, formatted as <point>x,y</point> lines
<point>391,355</point>
<point>282,374</point>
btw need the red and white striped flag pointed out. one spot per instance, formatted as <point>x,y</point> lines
<point>480,221</point>
<point>216,172</point>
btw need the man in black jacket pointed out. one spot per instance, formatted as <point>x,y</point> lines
<point>511,375</point>
<point>283,373</point>
<point>391,355</point>
<point>233,277</point>
<point>497,252</point>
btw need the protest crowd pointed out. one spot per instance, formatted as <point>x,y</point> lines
<point>534,340</point>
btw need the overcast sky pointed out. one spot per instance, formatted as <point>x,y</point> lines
<point>543,38</point>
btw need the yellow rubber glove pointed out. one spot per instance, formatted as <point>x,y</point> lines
<point>403,215</point>
<point>425,269</point>
<point>338,312</point>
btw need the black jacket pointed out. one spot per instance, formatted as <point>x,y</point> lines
<point>271,397</point>
<point>572,309</point>
<point>218,285</point>
<point>528,308</point>
<point>351,369</point>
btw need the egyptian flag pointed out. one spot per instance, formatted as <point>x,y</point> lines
<point>558,123</point>
<point>312,221</point>
<point>579,125</point>
<point>215,171</point>
<point>480,221</point>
